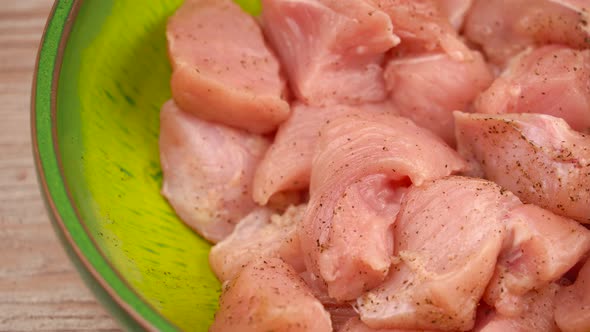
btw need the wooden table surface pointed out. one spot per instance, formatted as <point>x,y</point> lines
<point>39,288</point>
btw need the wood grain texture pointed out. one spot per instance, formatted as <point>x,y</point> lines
<point>39,288</point>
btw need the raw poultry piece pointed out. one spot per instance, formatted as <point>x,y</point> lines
<point>208,170</point>
<point>358,178</point>
<point>286,166</point>
<point>537,157</point>
<point>268,295</point>
<point>423,26</point>
<point>550,80</point>
<point>540,248</point>
<point>504,28</point>
<point>261,234</point>
<point>357,254</point>
<point>448,235</point>
<point>331,49</point>
<point>223,70</point>
<point>428,88</point>
<point>572,305</point>
<point>536,316</point>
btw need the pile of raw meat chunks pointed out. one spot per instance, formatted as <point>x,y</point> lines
<point>385,165</point>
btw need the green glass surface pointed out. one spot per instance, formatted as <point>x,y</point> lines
<point>98,156</point>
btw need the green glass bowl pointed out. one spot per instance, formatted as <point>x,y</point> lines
<point>102,75</point>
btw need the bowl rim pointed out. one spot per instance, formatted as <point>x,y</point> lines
<point>107,284</point>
